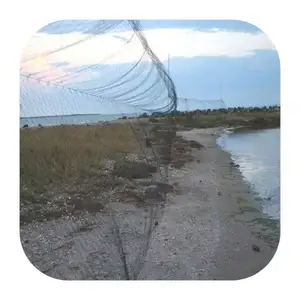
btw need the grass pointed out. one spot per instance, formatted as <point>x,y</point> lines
<point>61,160</point>
<point>65,169</point>
<point>241,120</point>
<point>56,154</point>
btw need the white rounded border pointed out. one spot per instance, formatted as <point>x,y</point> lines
<point>20,19</point>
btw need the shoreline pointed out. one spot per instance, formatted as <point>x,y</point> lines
<point>242,223</point>
<point>256,194</point>
<point>205,230</point>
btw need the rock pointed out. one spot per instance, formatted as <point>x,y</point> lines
<point>162,186</point>
<point>255,248</point>
<point>152,192</point>
<point>232,164</point>
<point>25,126</point>
<point>219,193</point>
<point>156,223</point>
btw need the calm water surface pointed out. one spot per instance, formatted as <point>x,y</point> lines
<point>258,154</point>
<point>71,119</point>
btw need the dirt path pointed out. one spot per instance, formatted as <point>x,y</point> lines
<point>204,231</point>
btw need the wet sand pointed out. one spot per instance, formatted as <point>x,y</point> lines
<point>205,229</point>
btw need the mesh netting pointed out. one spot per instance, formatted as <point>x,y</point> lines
<point>89,73</point>
<point>121,75</point>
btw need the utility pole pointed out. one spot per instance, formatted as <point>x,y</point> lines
<point>169,73</point>
<point>221,92</point>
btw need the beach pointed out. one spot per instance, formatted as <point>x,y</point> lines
<point>208,227</point>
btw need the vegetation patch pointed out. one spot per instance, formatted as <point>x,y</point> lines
<point>133,170</point>
<point>63,168</point>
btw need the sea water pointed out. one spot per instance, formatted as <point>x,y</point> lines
<point>258,155</point>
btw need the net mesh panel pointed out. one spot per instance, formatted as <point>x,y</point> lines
<point>188,104</point>
<point>122,74</point>
<point>91,72</point>
<point>119,77</point>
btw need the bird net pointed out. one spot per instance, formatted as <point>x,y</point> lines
<point>90,72</point>
<point>99,68</point>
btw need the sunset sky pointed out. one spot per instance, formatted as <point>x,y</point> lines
<point>204,55</point>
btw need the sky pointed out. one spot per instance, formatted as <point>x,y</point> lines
<point>208,60</point>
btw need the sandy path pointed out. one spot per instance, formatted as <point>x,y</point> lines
<point>202,233</point>
<point>199,236</point>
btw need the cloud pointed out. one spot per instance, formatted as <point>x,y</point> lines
<point>116,49</point>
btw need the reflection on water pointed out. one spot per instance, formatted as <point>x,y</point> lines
<point>258,154</point>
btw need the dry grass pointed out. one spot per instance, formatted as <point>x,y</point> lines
<point>64,153</point>
<point>68,169</point>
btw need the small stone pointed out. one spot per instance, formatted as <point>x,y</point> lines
<point>255,248</point>
<point>152,192</point>
<point>219,193</point>
<point>156,223</point>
